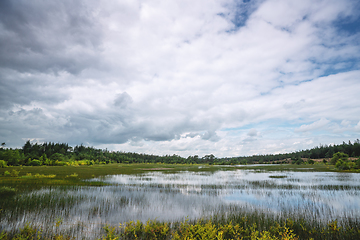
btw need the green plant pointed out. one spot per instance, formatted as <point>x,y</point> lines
<point>110,233</point>
<point>339,156</point>
<point>156,230</point>
<point>3,164</point>
<point>35,163</point>
<point>357,163</point>
<point>7,191</point>
<point>310,161</point>
<point>74,175</point>
<point>133,230</point>
<point>3,236</point>
<point>14,173</point>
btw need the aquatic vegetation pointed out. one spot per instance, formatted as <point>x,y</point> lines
<point>74,175</point>
<point>244,228</point>
<point>278,176</point>
<point>37,175</point>
<point>7,191</point>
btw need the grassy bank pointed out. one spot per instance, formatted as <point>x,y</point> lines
<point>254,227</point>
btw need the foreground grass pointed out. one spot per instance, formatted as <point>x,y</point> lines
<point>236,228</point>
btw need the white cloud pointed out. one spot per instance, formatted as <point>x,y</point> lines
<point>252,132</point>
<point>357,127</point>
<point>168,77</point>
<point>315,126</point>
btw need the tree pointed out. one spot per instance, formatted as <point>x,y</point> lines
<point>339,156</point>
<point>299,161</point>
<point>12,157</point>
<point>310,161</point>
<point>357,163</point>
<point>57,156</point>
<point>27,147</point>
<point>3,164</point>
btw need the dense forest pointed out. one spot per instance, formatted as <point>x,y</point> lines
<point>50,154</point>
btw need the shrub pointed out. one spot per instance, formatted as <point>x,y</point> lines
<point>342,165</point>
<point>14,173</point>
<point>90,162</point>
<point>60,163</point>
<point>35,163</point>
<point>339,156</point>
<point>299,161</point>
<point>310,161</point>
<point>357,163</point>
<point>3,164</point>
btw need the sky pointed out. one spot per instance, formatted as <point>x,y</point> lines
<point>222,77</point>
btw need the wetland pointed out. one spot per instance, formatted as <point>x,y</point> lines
<point>81,204</point>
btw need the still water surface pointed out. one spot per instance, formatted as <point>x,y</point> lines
<point>323,196</point>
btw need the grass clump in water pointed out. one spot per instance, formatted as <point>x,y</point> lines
<point>277,176</point>
<point>37,175</point>
<point>74,175</point>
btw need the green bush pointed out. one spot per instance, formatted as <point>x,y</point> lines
<point>3,164</point>
<point>342,165</point>
<point>90,162</point>
<point>299,161</point>
<point>357,163</point>
<point>310,161</point>
<point>60,163</point>
<point>14,173</point>
<point>35,163</point>
<point>339,156</point>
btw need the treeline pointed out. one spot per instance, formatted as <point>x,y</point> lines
<point>53,154</point>
<point>62,154</point>
<point>318,152</point>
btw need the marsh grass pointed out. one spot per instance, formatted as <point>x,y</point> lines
<point>278,176</point>
<point>87,172</point>
<point>7,192</point>
<point>254,227</point>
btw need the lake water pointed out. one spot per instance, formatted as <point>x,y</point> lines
<point>321,196</point>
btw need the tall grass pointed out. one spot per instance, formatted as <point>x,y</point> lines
<point>236,227</point>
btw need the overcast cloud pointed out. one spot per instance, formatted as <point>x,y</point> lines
<point>229,78</point>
